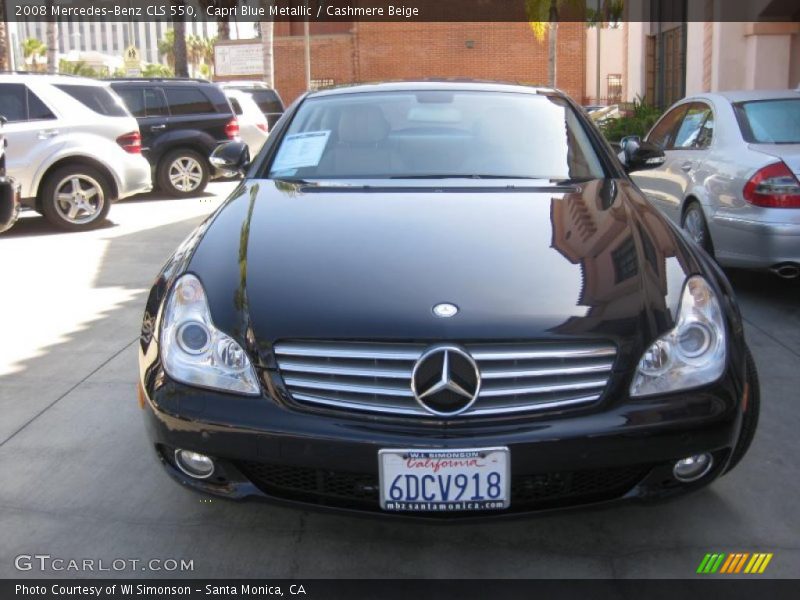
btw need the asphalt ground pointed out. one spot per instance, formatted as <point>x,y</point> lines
<point>78,479</point>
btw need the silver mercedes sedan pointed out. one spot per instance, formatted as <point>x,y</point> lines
<point>731,176</point>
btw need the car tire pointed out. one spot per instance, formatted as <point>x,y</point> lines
<point>183,173</point>
<point>76,198</point>
<point>694,223</point>
<point>750,417</point>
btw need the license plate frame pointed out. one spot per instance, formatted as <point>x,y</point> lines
<point>495,459</point>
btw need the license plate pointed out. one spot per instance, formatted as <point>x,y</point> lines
<point>444,480</point>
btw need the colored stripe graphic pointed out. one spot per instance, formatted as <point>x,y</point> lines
<point>732,560</point>
<point>734,563</point>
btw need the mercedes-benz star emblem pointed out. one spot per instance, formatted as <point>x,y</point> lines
<point>445,310</point>
<point>445,380</point>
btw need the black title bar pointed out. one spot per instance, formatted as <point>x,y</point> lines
<point>441,589</point>
<point>402,10</point>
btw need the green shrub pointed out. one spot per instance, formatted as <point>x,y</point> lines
<point>637,122</point>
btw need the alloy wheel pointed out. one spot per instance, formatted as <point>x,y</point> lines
<point>79,199</point>
<point>185,174</point>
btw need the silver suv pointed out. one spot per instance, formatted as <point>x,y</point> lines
<point>72,146</point>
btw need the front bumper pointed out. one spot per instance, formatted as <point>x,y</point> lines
<point>268,450</point>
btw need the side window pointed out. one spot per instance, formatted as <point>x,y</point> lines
<point>12,102</point>
<point>706,132</point>
<point>237,108</point>
<point>37,111</point>
<point>155,103</point>
<point>664,132</point>
<point>188,101</point>
<point>689,131</point>
<point>132,97</point>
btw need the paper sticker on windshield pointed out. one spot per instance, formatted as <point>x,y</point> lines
<point>301,150</point>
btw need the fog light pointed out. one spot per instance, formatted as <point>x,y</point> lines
<point>194,464</point>
<point>692,467</point>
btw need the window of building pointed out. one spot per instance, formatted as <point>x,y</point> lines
<point>317,84</point>
<point>614,88</point>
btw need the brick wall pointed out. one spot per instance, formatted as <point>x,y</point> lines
<point>386,51</point>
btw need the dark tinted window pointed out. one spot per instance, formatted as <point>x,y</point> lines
<point>267,100</point>
<point>188,101</point>
<point>97,98</point>
<point>664,132</point>
<point>134,100</point>
<point>12,101</point>
<point>155,104</point>
<point>37,111</point>
<point>18,103</point>
<point>688,135</point>
<point>770,121</point>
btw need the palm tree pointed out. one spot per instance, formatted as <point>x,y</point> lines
<point>179,26</point>
<point>208,54</point>
<point>543,16</point>
<point>166,47</point>
<point>3,38</point>
<point>194,52</point>
<point>51,33</point>
<point>32,51</point>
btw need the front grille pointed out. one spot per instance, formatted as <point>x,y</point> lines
<point>359,490</point>
<point>376,377</point>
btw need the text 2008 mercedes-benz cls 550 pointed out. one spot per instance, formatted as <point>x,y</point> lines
<point>443,300</point>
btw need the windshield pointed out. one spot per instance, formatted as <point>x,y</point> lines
<point>770,121</point>
<point>436,134</point>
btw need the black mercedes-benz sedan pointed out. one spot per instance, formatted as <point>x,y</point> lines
<point>443,300</point>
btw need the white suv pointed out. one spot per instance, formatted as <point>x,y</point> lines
<point>72,146</point>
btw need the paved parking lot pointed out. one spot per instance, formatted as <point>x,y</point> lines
<point>79,481</point>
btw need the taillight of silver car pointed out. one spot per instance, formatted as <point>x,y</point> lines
<point>774,186</point>
<point>232,129</point>
<point>131,142</point>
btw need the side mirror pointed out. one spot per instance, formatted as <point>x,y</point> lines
<point>3,120</point>
<point>637,155</point>
<point>232,157</point>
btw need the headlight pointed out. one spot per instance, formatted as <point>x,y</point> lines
<point>690,355</point>
<point>194,351</point>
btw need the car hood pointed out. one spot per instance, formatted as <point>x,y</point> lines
<point>595,261</point>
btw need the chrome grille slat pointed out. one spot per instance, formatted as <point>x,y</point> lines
<point>329,369</point>
<point>376,377</point>
<point>505,373</point>
<point>334,386</point>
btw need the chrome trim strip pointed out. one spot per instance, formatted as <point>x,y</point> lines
<point>542,389</point>
<point>498,373</point>
<point>480,353</point>
<point>351,350</point>
<point>335,386</point>
<point>380,408</point>
<point>344,370</point>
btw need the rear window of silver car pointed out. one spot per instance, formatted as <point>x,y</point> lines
<point>436,134</point>
<point>97,98</point>
<point>770,121</point>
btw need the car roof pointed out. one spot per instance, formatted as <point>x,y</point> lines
<point>434,85</point>
<point>20,77</point>
<point>159,80</point>
<point>749,95</point>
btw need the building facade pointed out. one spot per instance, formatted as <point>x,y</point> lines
<point>697,49</point>
<point>110,38</point>
<point>344,53</point>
